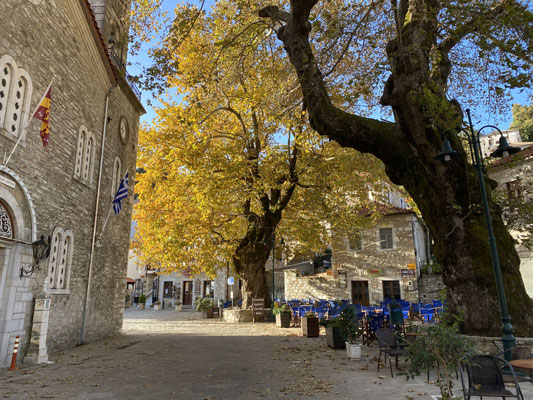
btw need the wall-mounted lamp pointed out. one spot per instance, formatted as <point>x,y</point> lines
<point>41,250</point>
<point>112,40</point>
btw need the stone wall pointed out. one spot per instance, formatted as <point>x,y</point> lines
<point>59,39</point>
<point>430,287</point>
<point>319,286</point>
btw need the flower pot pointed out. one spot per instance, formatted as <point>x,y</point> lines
<point>310,326</point>
<point>141,306</point>
<point>334,338</point>
<point>283,320</point>
<point>353,351</point>
<point>209,313</point>
<point>157,307</point>
<point>177,307</point>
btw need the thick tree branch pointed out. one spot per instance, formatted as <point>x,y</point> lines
<point>364,134</point>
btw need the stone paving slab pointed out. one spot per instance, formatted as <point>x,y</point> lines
<point>179,355</point>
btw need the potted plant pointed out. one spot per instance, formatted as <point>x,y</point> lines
<point>283,315</point>
<point>334,338</point>
<point>349,329</point>
<point>157,306</point>
<point>177,305</point>
<point>142,301</point>
<point>127,300</point>
<point>443,348</point>
<point>310,327</point>
<point>205,306</point>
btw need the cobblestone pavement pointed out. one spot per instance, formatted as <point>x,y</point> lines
<point>178,355</point>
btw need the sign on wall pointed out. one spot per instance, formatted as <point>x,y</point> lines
<point>408,273</point>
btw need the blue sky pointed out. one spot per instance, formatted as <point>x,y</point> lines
<point>502,120</point>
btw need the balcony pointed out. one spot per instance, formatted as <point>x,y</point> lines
<point>121,67</point>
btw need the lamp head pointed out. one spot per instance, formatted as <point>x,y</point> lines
<point>504,149</point>
<point>112,40</point>
<point>40,250</point>
<point>447,152</point>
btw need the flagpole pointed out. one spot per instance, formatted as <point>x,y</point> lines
<point>103,227</point>
<point>29,119</point>
<point>112,206</point>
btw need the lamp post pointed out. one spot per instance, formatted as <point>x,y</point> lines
<point>503,150</point>
<point>273,269</point>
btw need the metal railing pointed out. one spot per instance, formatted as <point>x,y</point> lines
<point>120,65</point>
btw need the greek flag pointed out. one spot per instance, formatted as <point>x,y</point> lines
<point>122,193</point>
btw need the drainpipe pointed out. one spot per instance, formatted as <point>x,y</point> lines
<point>416,244</point>
<point>93,241</point>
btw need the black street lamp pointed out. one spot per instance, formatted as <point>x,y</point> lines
<point>503,150</point>
<point>41,250</point>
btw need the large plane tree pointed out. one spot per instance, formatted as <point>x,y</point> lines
<point>431,55</point>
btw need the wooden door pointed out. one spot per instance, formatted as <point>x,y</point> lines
<point>187,293</point>
<point>360,293</point>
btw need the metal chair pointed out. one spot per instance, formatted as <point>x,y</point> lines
<point>388,345</point>
<point>485,378</point>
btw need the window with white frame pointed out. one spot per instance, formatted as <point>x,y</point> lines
<point>115,183</point>
<point>60,261</point>
<point>385,238</point>
<point>15,97</point>
<point>85,153</point>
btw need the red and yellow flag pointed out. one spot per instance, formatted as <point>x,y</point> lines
<point>43,113</point>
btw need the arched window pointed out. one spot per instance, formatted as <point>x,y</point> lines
<point>85,152</point>
<point>88,159</point>
<point>15,97</point>
<point>5,85</point>
<point>82,137</point>
<point>55,247</point>
<point>6,226</point>
<point>60,261</point>
<point>116,178</point>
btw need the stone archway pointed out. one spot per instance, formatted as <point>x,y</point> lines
<point>17,231</point>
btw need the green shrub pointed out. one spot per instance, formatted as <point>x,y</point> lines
<point>283,309</point>
<point>142,299</point>
<point>203,304</point>
<point>348,324</point>
<point>442,348</point>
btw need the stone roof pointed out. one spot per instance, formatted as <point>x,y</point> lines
<point>386,209</point>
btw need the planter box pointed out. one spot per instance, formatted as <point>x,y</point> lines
<point>141,306</point>
<point>177,307</point>
<point>283,320</point>
<point>157,307</point>
<point>353,351</point>
<point>310,326</point>
<point>334,338</point>
<point>209,313</point>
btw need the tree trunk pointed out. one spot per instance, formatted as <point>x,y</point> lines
<point>447,195</point>
<point>249,260</point>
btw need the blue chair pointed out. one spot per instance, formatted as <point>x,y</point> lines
<point>320,313</point>
<point>428,314</point>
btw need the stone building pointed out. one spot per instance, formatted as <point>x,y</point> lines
<point>383,261</point>
<point>490,142</point>
<point>183,288</point>
<point>64,190</point>
<point>514,175</point>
